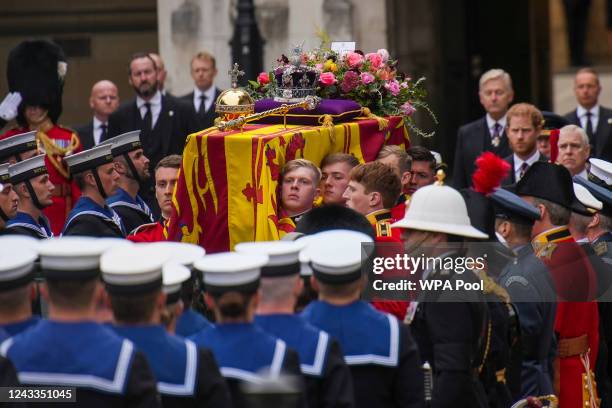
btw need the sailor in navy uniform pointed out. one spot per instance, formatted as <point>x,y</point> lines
<point>452,327</point>
<point>31,181</point>
<point>189,321</point>
<point>133,168</point>
<point>531,289</point>
<point>69,348</point>
<point>95,174</point>
<point>16,285</point>
<point>186,375</point>
<point>20,147</point>
<point>9,200</point>
<point>379,350</point>
<point>245,353</point>
<point>328,378</point>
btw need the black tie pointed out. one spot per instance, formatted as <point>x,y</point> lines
<point>104,134</point>
<point>202,106</point>
<point>148,118</point>
<point>589,126</point>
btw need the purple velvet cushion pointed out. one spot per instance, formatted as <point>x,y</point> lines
<point>341,110</point>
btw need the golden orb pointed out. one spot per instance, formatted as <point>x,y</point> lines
<point>233,103</point>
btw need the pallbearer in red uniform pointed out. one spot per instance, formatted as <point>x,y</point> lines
<point>36,70</point>
<point>549,187</point>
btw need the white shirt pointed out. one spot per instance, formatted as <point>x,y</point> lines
<point>491,124</point>
<point>518,162</point>
<point>208,102</point>
<point>155,107</point>
<point>582,117</point>
<point>97,130</point>
<point>583,174</point>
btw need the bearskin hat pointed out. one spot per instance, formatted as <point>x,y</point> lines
<point>36,69</point>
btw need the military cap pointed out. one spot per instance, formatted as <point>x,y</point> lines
<point>600,171</point>
<point>71,258</point>
<point>552,121</point>
<point>336,256</point>
<point>231,271</point>
<point>174,275</point>
<point>27,169</point>
<point>133,269</point>
<point>180,252</point>
<point>89,159</point>
<point>548,181</point>
<point>283,256</point>
<point>5,177</point>
<point>600,192</point>
<point>17,144</point>
<point>16,265</point>
<point>591,204</point>
<point>25,241</point>
<point>509,206</point>
<point>124,143</point>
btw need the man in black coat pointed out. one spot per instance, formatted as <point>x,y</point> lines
<point>524,126</point>
<point>595,119</point>
<point>487,133</point>
<point>104,100</point>
<point>165,122</point>
<point>202,99</point>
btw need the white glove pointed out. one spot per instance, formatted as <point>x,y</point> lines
<point>8,107</point>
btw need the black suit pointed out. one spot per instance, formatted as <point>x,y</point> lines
<point>167,136</point>
<point>473,139</point>
<point>205,119</point>
<point>601,143</point>
<point>86,135</point>
<point>511,179</point>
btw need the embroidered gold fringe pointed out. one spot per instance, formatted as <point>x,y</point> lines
<point>56,153</point>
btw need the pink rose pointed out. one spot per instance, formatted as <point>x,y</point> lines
<point>263,78</point>
<point>319,66</point>
<point>407,109</point>
<point>327,78</point>
<point>350,81</point>
<point>405,84</point>
<point>393,87</point>
<point>375,60</point>
<point>354,59</point>
<point>384,54</point>
<point>366,78</point>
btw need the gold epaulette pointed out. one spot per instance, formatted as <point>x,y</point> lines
<point>383,229</point>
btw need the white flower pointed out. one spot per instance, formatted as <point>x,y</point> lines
<point>384,54</point>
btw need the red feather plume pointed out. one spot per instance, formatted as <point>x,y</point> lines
<point>490,171</point>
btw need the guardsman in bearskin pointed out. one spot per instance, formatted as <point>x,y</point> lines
<point>133,168</point>
<point>187,376</point>
<point>36,70</point>
<point>94,172</point>
<point>452,328</point>
<point>69,348</point>
<point>549,188</point>
<point>328,379</point>
<point>530,287</point>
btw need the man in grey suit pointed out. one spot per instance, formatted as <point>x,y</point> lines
<point>487,133</point>
<point>595,119</point>
<point>205,93</point>
<point>104,100</point>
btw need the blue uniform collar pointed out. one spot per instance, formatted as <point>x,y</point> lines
<point>352,325</point>
<point>13,329</point>
<point>27,221</point>
<point>310,343</point>
<point>190,322</point>
<point>174,360</point>
<point>243,350</point>
<point>95,357</point>
<point>87,206</point>
<point>123,199</point>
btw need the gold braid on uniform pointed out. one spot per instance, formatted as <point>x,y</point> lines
<point>52,150</point>
<point>490,286</point>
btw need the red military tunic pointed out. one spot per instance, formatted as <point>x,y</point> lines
<point>153,232</point>
<point>66,193</point>
<point>381,221</point>
<point>576,321</point>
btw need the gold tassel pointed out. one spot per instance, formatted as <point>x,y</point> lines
<point>367,114</point>
<point>328,121</point>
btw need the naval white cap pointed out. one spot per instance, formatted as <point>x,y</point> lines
<point>231,271</point>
